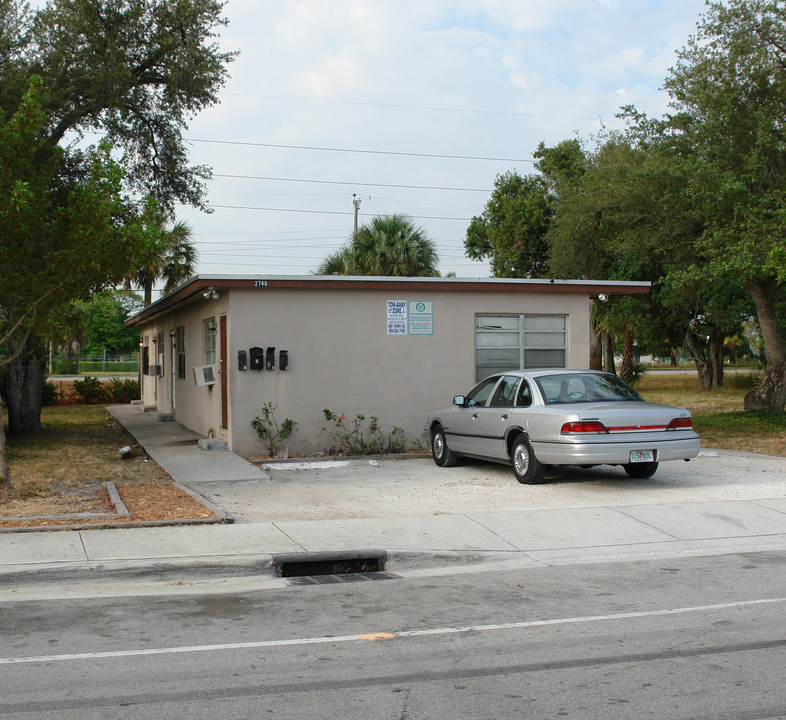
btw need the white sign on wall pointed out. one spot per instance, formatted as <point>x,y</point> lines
<point>397,317</point>
<point>421,317</point>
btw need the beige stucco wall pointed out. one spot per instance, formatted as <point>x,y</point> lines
<point>198,408</point>
<point>340,357</point>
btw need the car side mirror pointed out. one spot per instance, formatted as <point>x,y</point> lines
<point>460,400</point>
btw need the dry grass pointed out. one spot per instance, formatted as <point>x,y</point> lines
<point>61,469</point>
<point>719,417</point>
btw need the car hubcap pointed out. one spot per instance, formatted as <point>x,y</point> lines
<point>521,459</point>
<point>439,445</point>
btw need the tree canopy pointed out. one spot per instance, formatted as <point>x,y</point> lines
<point>388,245</point>
<point>692,202</point>
<point>132,71</point>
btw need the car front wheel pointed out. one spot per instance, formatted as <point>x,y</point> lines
<point>526,467</point>
<point>641,471</point>
<point>442,454</point>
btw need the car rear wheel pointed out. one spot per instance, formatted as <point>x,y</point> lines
<point>526,467</point>
<point>641,471</point>
<point>442,454</point>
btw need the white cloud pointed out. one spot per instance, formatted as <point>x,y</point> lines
<point>522,72</point>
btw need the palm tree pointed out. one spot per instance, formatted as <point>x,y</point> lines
<point>172,259</point>
<point>388,245</point>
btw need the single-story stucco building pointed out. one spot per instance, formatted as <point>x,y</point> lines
<point>218,347</point>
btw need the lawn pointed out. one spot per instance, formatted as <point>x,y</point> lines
<point>718,416</point>
<point>61,468</point>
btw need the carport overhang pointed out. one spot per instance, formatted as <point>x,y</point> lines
<point>194,289</point>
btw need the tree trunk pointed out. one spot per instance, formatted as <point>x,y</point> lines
<point>716,358</point>
<point>771,394</point>
<point>24,385</point>
<point>608,353</point>
<point>148,291</point>
<point>596,349</point>
<point>698,352</point>
<point>627,371</point>
<point>5,476</point>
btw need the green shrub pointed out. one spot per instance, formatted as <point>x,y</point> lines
<point>89,390</point>
<point>66,366</point>
<point>50,393</point>
<point>269,431</point>
<point>98,366</point>
<point>121,390</point>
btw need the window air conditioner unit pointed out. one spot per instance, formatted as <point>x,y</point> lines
<point>154,370</point>
<point>205,375</point>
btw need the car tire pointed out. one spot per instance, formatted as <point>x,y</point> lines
<point>526,467</point>
<point>442,454</point>
<point>641,471</point>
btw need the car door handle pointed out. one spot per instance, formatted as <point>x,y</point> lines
<point>505,417</point>
<point>475,416</point>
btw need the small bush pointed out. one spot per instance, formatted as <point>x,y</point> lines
<point>269,431</point>
<point>89,390</point>
<point>359,437</point>
<point>121,390</point>
<point>50,393</point>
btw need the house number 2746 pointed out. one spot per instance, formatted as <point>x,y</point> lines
<point>260,283</point>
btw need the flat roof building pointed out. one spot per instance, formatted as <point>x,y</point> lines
<point>217,348</point>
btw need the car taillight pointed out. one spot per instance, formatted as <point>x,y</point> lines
<point>584,427</point>
<point>680,424</point>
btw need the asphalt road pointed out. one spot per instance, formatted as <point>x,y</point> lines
<point>682,638</point>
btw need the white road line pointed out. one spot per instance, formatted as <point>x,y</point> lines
<point>327,640</point>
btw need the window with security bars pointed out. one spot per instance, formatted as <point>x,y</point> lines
<point>517,342</point>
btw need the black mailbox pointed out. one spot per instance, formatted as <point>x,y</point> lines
<point>257,358</point>
<point>283,360</point>
<point>242,360</point>
<point>270,358</point>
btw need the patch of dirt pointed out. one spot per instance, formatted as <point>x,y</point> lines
<point>145,501</point>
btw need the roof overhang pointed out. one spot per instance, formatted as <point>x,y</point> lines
<point>194,289</point>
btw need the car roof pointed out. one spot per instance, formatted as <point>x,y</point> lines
<point>547,371</point>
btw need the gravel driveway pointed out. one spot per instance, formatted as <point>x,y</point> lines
<point>363,488</point>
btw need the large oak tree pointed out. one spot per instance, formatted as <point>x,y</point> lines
<point>132,71</point>
<point>729,122</point>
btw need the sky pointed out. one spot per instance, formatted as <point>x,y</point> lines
<point>414,107</point>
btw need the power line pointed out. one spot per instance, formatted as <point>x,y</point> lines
<point>417,107</point>
<point>327,212</point>
<point>354,150</point>
<point>343,182</point>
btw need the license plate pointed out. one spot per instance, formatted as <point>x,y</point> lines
<point>642,456</point>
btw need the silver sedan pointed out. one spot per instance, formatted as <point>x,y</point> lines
<point>537,418</point>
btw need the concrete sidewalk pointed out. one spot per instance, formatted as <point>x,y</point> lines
<point>529,537</point>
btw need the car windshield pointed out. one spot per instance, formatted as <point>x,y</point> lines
<point>584,387</point>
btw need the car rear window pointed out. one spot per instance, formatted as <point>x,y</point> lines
<point>584,387</point>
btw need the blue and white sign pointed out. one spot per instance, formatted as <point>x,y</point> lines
<point>397,317</point>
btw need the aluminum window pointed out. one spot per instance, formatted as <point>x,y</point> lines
<point>210,341</point>
<point>516,342</point>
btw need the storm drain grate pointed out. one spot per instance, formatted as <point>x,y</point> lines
<point>351,562</point>
<point>330,579</point>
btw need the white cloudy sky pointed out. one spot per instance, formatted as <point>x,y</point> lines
<point>469,78</point>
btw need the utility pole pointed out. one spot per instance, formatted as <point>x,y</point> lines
<point>356,203</point>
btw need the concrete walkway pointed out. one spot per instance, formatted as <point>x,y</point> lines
<point>528,537</point>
